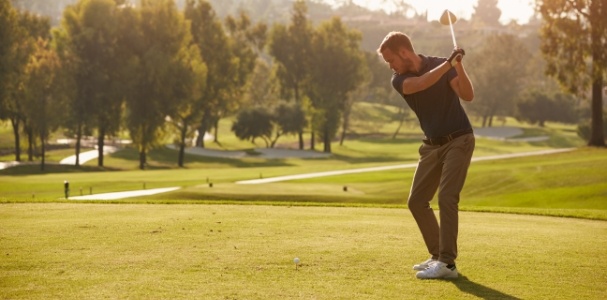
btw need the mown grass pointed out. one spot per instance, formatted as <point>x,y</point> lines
<point>93,251</point>
<point>551,184</point>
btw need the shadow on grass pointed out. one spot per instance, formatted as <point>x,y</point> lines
<point>363,160</point>
<point>165,158</point>
<point>468,286</point>
<point>51,168</point>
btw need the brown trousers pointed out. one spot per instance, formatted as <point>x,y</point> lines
<point>444,168</point>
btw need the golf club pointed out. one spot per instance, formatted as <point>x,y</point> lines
<point>448,18</point>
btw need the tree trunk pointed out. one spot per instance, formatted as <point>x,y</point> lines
<point>142,159</point>
<point>300,133</point>
<point>30,145</point>
<point>327,140</point>
<point>275,140</point>
<point>343,137</point>
<point>42,150</point>
<point>216,134</point>
<point>597,137</point>
<point>301,140</point>
<point>345,125</point>
<point>202,129</point>
<point>15,122</point>
<point>312,140</point>
<point>183,132</point>
<point>401,120</point>
<point>100,146</point>
<point>78,143</point>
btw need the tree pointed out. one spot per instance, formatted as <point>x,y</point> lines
<point>337,70</point>
<point>268,123</point>
<point>500,55</point>
<point>354,96</point>
<point>290,118</point>
<point>208,34</point>
<point>574,39</point>
<point>8,26</point>
<point>486,12</point>
<point>156,38</point>
<point>90,39</point>
<point>43,105</point>
<point>8,44</point>
<point>22,32</point>
<point>191,72</point>
<point>263,86</point>
<point>290,48</point>
<point>537,106</point>
<point>245,42</point>
<point>584,130</point>
<point>252,123</point>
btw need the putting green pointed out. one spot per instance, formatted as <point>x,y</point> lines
<point>76,251</point>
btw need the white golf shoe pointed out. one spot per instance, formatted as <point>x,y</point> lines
<point>438,270</point>
<point>424,265</point>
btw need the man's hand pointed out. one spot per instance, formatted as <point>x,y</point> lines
<point>457,54</point>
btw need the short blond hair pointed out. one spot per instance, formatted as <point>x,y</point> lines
<point>395,41</point>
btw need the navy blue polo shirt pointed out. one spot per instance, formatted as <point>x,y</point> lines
<point>438,107</point>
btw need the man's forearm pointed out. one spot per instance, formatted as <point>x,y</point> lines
<point>465,89</point>
<point>413,85</point>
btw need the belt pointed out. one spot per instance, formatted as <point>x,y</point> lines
<point>439,141</point>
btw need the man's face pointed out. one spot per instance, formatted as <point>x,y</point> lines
<point>398,62</point>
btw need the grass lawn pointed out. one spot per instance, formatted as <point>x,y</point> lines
<point>93,251</point>
<point>353,244</point>
<point>568,184</point>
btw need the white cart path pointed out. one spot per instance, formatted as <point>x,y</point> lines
<point>139,193</point>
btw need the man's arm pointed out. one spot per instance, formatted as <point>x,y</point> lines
<point>462,84</point>
<point>412,85</point>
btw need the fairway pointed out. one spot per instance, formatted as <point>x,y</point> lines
<point>93,251</point>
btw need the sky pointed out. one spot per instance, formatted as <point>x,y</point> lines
<point>518,10</point>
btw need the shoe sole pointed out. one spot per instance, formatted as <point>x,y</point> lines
<point>450,276</point>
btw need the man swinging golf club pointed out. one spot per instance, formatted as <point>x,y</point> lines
<point>433,87</point>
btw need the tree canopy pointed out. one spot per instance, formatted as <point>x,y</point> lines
<point>574,39</point>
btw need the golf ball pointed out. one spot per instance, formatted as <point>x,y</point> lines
<point>296,260</point>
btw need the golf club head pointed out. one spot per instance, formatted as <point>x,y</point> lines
<point>444,18</point>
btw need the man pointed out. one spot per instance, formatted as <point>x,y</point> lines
<point>433,87</point>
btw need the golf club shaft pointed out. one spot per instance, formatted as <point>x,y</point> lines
<point>452,33</point>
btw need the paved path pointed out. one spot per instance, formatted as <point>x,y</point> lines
<point>128,194</point>
<point>386,168</point>
<point>507,134</point>
<point>8,164</point>
<point>87,156</point>
<point>70,160</point>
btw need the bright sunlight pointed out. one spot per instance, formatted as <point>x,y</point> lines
<point>518,10</point>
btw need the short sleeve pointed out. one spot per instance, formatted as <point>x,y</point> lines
<point>397,82</point>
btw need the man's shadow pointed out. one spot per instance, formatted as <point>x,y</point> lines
<point>468,286</point>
